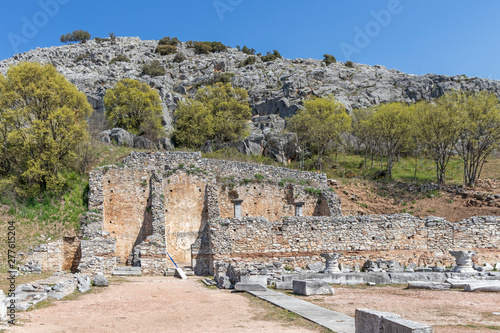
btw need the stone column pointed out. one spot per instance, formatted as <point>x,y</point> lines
<point>464,261</point>
<point>332,262</point>
<point>298,208</point>
<point>237,207</point>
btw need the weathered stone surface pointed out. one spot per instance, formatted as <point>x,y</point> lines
<point>284,285</point>
<point>254,279</point>
<point>370,321</point>
<point>240,286</point>
<point>428,285</point>
<point>275,88</point>
<point>398,325</point>
<point>100,281</point>
<point>55,295</point>
<point>83,285</point>
<point>489,287</point>
<point>312,287</point>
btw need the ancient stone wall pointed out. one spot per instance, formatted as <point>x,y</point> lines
<point>127,212</point>
<point>298,241</point>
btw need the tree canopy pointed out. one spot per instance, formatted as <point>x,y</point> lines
<point>320,123</point>
<point>133,106</point>
<point>218,112</point>
<point>42,122</point>
<point>76,36</point>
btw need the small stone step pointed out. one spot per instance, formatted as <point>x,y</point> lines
<point>127,271</point>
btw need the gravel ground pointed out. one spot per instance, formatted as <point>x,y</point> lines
<point>448,311</point>
<point>152,304</point>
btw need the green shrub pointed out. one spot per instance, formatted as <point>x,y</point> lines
<point>247,50</point>
<point>329,59</point>
<point>207,47</point>
<point>166,49</point>
<point>271,56</point>
<point>313,191</point>
<point>179,57</point>
<point>202,47</point>
<point>169,41</point>
<point>249,61</point>
<point>153,69</point>
<point>349,64</point>
<point>100,40</point>
<point>258,176</point>
<point>119,58</point>
<point>221,77</point>
<point>82,56</point>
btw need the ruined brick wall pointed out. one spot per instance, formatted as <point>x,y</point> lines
<point>186,212</point>
<point>126,216</point>
<point>299,241</point>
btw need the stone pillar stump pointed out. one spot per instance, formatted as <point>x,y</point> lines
<point>464,261</point>
<point>332,262</point>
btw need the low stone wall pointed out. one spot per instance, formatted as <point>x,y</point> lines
<point>298,241</point>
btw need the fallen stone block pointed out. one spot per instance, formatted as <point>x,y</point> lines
<point>428,285</point>
<point>83,286</point>
<point>284,285</point>
<point>490,287</point>
<point>55,295</point>
<point>240,286</point>
<point>377,278</point>
<point>402,278</point>
<point>100,281</point>
<point>312,287</point>
<point>460,284</point>
<point>224,283</point>
<point>254,279</point>
<point>370,321</point>
<point>398,325</point>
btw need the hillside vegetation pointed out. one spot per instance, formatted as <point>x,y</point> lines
<point>389,149</point>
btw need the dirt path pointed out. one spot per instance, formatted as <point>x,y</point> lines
<point>152,304</point>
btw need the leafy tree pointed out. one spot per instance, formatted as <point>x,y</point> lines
<point>42,123</point>
<point>391,125</point>
<point>218,112</point>
<point>439,125</point>
<point>133,106</point>
<point>362,131</point>
<point>481,115</point>
<point>76,36</point>
<point>329,59</point>
<point>153,69</point>
<point>320,124</point>
<point>349,64</point>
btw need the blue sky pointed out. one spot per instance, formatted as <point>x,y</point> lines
<point>414,36</point>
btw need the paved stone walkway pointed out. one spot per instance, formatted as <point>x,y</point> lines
<point>337,322</point>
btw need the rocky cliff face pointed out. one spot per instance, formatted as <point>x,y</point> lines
<point>276,87</point>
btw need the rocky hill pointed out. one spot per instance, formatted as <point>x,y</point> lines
<point>276,87</point>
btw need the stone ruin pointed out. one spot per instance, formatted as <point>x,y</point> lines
<point>213,214</point>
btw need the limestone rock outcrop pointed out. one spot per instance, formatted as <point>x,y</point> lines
<point>275,88</point>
